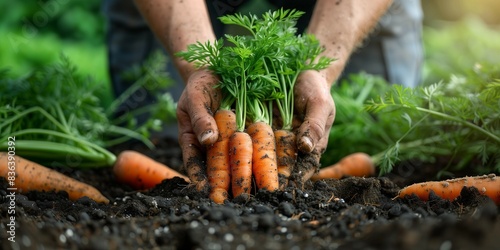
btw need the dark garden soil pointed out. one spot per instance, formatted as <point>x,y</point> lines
<point>352,213</point>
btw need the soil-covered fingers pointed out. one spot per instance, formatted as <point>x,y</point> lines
<point>193,157</point>
<point>307,165</point>
<point>316,109</point>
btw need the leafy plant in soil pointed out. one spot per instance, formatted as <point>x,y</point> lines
<point>459,119</point>
<point>56,118</point>
<point>456,120</point>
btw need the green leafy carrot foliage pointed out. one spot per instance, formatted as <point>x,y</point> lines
<point>456,122</point>
<point>262,66</point>
<point>55,115</point>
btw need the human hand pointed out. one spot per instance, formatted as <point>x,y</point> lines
<point>197,127</point>
<point>315,113</point>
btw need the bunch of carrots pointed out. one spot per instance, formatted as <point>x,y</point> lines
<point>257,73</point>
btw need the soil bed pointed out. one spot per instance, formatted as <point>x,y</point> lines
<point>352,213</point>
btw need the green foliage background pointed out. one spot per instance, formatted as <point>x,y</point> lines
<point>461,42</point>
<point>461,52</point>
<point>36,33</point>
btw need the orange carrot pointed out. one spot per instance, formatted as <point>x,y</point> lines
<point>264,168</point>
<point>356,164</point>
<point>240,155</point>
<point>286,154</point>
<point>30,176</point>
<point>218,170</point>
<point>140,171</point>
<point>488,185</point>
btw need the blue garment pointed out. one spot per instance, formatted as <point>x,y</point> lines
<point>394,50</point>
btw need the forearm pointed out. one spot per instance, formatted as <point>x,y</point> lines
<point>177,24</point>
<point>341,25</point>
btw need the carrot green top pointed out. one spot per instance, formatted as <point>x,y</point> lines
<point>262,67</point>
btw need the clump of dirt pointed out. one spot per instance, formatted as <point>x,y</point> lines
<point>352,213</point>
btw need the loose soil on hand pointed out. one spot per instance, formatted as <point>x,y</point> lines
<point>351,213</point>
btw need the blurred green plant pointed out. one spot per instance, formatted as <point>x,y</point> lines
<point>458,119</point>
<point>35,33</point>
<point>460,48</point>
<point>456,10</point>
<point>355,129</point>
<point>79,21</point>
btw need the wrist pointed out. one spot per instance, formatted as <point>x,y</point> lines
<point>202,76</point>
<point>353,21</point>
<point>332,73</point>
<point>329,74</point>
<point>185,69</point>
<point>315,80</point>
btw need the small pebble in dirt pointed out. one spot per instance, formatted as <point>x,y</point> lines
<point>386,206</point>
<point>394,211</point>
<point>286,208</point>
<point>86,201</point>
<point>410,216</point>
<point>287,196</point>
<point>241,199</point>
<point>194,224</point>
<point>260,209</point>
<point>49,213</point>
<point>266,221</point>
<point>215,215</point>
<point>446,245</point>
<point>228,237</point>
<point>84,216</point>
<point>421,211</point>
<point>222,214</point>
<point>26,241</point>
<point>29,206</point>
<point>162,202</point>
<point>71,218</point>
<point>161,230</point>
<point>299,192</point>
<point>406,209</point>
<point>246,211</point>
<point>371,212</point>
<point>62,238</point>
<point>305,216</point>
<point>449,218</point>
<point>184,209</point>
<point>98,214</point>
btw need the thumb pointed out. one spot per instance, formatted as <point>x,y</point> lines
<point>314,131</point>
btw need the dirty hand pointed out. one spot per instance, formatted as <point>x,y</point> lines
<point>197,128</point>
<point>315,110</point>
